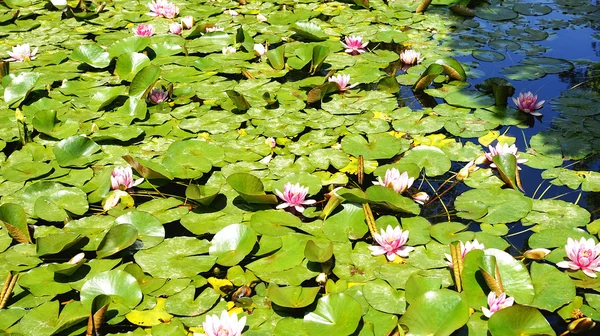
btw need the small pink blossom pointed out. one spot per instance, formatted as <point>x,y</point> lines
<point>528,103</point>
<point>175,28</point>
<point>411,57</point>
<point>271,142</point>
<point>342,81</point>
<point>294,196</point>
<point>393,179</point>
<point>122,179</point>
<point>354,45</point>
<point>583,255</point>
<point>497,303</point>
<point>157,96</point>
<point>22,53</point>
<point>231,12</point>
<point>163,8</point>
<point>464,249</point>
<point>391,243</point>
<point>187,22</point>
<point>502,149</point>
<point>226,325</point>
<point>214,29</point>
<point>144,30</point>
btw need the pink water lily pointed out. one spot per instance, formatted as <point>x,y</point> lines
<point>122,179</point>
<point>528,103</point>
<point>342,81</point>
<point>294,196</point>
<point>583,255</point>
<point>22,53</point>
<point>393,179</point>
<point>175,28</point>
<point>163,8</point>
<point>421,197</point>
<point>464,249</point>
<point>226,325</point>
<point>144,30</point>
<point>391,243</point>
<point>411,57</point>
<point>497,303</point>
<point>502,149</point>
<point>354,45</point>
<point>157,96</point>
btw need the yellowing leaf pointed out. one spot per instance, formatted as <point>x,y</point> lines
<point>396,134</point>
<point>495,135</point>
<point>436,140</point>
<point>352,167</point>
<point>152,317</point>
<point>380,115</point>
<point>217,284</point>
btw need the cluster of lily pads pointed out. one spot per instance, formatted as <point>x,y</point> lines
<point>229,167</point>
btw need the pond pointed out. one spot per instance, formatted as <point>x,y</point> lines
<point>361,167</point>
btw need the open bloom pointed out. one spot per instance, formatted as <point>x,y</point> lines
<point>226,325</point>
<point>464,249</point>
<point>497,303</point>
<point>187,22</point>
<point>163,8</point>
<point>259,49</point>
<point>22,53</point>
<point>144,30</point>
<point>228,50</point>
<point>391,243</point>
<point>342,81</point>
<point>502,149</point>
<point>122,178</point>
<point>411,57</point>
<point>528,103</point>
<point>354,45</point>
<point>583,255</point>
<point>157,95</point>
<point>395,180</point>
<point>175,28</point>
<point>294,196</point>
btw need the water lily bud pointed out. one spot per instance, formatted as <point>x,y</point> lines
<point>59,4</point>
<point>259,49</point>
<point>321,279</point>
<point>187,22</point>
<point>77,258</point>
<point>261,18</point>
<point>94,128</point>
<point>481,159</point>
<point>228,50</point>
<point>581,325</point>
<point>271,142</point>
<point>421,197</point>
<point>536,254</point>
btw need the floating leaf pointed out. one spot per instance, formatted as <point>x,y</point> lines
<point>232,244</point>
<point>292,297</point>
<point>336,314</point>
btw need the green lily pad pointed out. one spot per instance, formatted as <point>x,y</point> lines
<point>553,288</point>
<point>91,54</point>
<point>493,205</point>
<point>495,13</point>
<point>336,314</point>
<point>521,320</point>
<point>76,151</point>
<point>292,297</point>
<point>122,287</point>
<point>232,244</point>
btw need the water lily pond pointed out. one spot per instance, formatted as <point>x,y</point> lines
<point>359,167</point>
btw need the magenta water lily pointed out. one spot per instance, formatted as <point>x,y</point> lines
<point>294,195</point>
<point>163,8</point>
<point>342,81</point>
<point>354,45</point>
<point>528,103</point>
<point>157,96</point>
<point>583,255</point>
<point>495,303</point>
<point>144,30</point>
<point>122,178</point>
<point>391,243</point>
